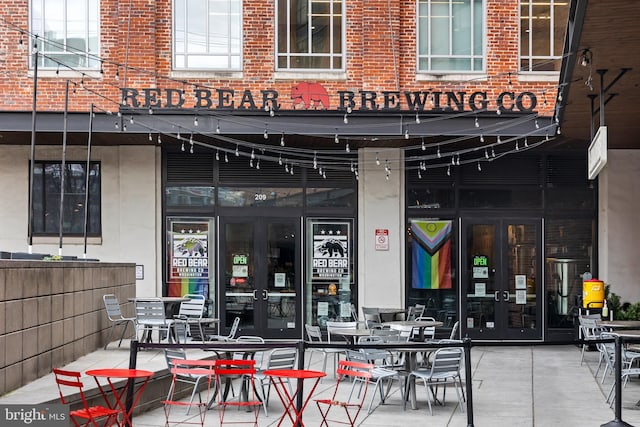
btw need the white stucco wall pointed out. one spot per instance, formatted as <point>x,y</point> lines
<point>618,225</point>
<point>130,204</point>
<point>380,206</point>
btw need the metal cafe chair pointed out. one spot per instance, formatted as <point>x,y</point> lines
<point>179,374</point>
<point>193,377</point>
<point>246,370</point>
<point>350,374</point>
<point>150,314</point>
<point>70,384</point>
<point>112,306</point>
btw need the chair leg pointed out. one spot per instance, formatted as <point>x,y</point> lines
<point>113,325</point>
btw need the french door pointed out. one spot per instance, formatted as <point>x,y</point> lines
<point>260,277</point>
<point>501,290</point>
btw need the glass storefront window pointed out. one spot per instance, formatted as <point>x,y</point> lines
<point>192,196</point>
<point>501,198</point>
<point>256,197</point>
<point>329,288</point>
<point>570,198</point>
<point>431,198</point>
<point>431,251</point>
<point>331,197</point>
<point>569,254</point>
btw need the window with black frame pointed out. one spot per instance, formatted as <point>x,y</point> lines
<point>47,181</point>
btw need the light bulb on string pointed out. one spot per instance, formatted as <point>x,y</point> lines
<point>250,162</point>
<point>320,171</point>
<point>546,137</point>
<point>517,146</point>
<point>265,135</point>
<point>347,148</point>
<point>481,138</point>
<point>477,124</point>
<point>150,137</point>
<point>406,134</point>
<point>493,153</point>
<point>558,130</point>
<point>159,139</point>
<point>291,169</point>
<point>349,109</point>
<point>453,160</point>
<point>498,139</point>
<point>336,139</point>
<point>449,170</point>
<point>253,154</point>
<point>424,147</point>
<point>21,45</point>
<point>345,120</point>
<point>150,111</point>
<point>124,127</point>
<point>377,160</point>
<point>237,151</point>
<point>438,152</point>
<point>479,167</point>
<point>258,164</point>
<point>182,95</point>
<point>280,159</point>
<point>195,121</point>
<point>191,149</point>
<point>117,75</point>
<point>286,167</point>
<point>499,111</point>
<point>191,138</point>
<point>178,137</point>
<point>282,140</point>
<point>417,119</point>
<point>218,127</point>
<point>526,142</point>
<point>355,173</point>
<point>117,125</point>
<point>458,160</point>
<point>315,161</point>
<point>537,125</point>
<point>486,153</point>
<point>218,155</point>
<point>324,174</point>
<point>131,120</point>
<point>352,168</point>
<point>182,148</point>
<point>226,158</point>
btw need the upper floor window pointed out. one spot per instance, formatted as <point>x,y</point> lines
<point>207,34</point>
<point>450,35</point>
<point>47,184</point>
<point>542,28</point>
<point>310,34</point>
<point>68,33</point>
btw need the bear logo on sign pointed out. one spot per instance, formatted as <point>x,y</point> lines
<point>310,95</point>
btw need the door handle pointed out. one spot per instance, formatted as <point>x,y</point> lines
<point>505,295</point>
<point>265,295</point>
<point>255,295</point>
<point>496,297</point>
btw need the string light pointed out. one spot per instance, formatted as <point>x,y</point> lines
<point>237,151</point>
<point>424,147</point>
<point>250,162</point>
<point>195,121</point>
<point>291,169</point>
<point>477,124</point>
<point>479,167</point>
<point>345,120</point>
<point>182,148</point>
<point>493,153</point>
<point>419,174</point>
<point>336,139</point>
<point>517,146</point>
<point>258,164</point>
<point>282,140</point>
<point>537,124</point>
<point>486,153</point>
<point>526,143</point>
<point>218,127</point>
<point>449,170</point>
<point>280,159</point>
<point>253,154</point>
<point>315,160</point>
<point>218,155</point>
<point>438,153</point>
<point>150,111</point>
<point>346,148</point>
<point>150,137</point>
<point>481,138</point>
<point>131,120</point>
<point>265,135</point>
<point>226,158</point>
<point>417,119</point>
<point>406,134</point>
<point>377,160</point>
<point>558,130</point>
<point>159,139</point>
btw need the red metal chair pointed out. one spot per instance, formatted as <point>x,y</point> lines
<point>245,370</point>
<point>350,374</point>
<point>69,384</point>
<point>179,372</point>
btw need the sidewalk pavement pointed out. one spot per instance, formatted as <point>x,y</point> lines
<point>514,385</point>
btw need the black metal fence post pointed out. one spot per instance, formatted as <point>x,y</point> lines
<point>467,380</point>
<point>300,397</point>
<point>133,360</point>
<point>617,421</point>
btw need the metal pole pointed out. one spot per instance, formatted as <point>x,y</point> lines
<point>133,357</point>
<point>63,166</point>
<point>300,397</point>
<point>33,144</point>
<point>467,380</point>
<point>86,183</point>
<point>601,72</point>
<point>617,421</point>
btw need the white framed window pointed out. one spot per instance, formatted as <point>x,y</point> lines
<point>207,34</point>
<point>450,36</point>
<point>542,29</point>
<point>310,34</point>
<point>68,33</point>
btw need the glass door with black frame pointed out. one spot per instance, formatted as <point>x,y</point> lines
<point>501,278</point>
<point>260,268</point>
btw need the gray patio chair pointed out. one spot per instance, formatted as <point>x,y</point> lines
<point>445,370</point>
<point>173,357</point>
<point>278,358</point>
<point>232,332</point>
<point>112,306</point>
<point>150,315</point>
<point>380,375</point>
<point>314,335</point>
<point>190,314</point>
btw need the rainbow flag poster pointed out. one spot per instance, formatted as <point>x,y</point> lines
<point>189,259</point>
<point>431,254</point>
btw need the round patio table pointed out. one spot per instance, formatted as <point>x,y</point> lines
<point>291,411</point>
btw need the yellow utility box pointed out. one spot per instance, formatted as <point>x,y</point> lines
<point>592,293</point>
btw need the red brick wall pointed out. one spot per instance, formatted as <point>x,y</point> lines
<point>371,61</point>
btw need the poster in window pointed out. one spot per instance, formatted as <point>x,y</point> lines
<point>331,250</point>
<point>188,271</point>
<point>431,254</point>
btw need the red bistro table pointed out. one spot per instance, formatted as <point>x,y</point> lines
<point>120,395</point>
<point>278,376</point>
